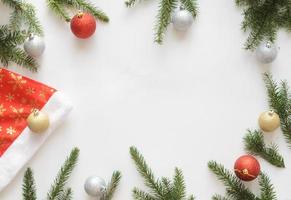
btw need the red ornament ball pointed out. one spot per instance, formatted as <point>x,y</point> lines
<point>83,25</point>
<point>247,168</point>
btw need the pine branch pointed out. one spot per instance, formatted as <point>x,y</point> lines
<point>160,189</point>
<point>28,187</point>
<point>112,186</point>
<point>219,197</point>
<point>10,52</point>
<point>67,194</point>
<point>280,102</point>
<point>263,19</point>
<point>23,14</point>
<point>254,144</point>
<point>58,9</point>
<point>57,188</point>
<point>234,187</point>
<point>146,173</point>
<point>130,3</point>
<point>191,6</point>
<point>89,7</point>
<point>166,8</point>
<point>267,189</point>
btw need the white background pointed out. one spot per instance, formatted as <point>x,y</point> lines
<point>182,104</point>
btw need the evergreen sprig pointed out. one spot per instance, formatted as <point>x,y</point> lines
<point>280,102</point>
<point>236,190</point>
<point>263,18</point>
<point>23,17</point>
<point>166,8</point>
<point>61,7</point>
<point>254,144</point>
<point>57,191</point>
<point>160,189</point>
<point>57,188</point>
<point>112,185</point>
<point>10,52</point>
<point>28,186</point>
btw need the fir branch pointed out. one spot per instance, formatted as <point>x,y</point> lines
<point>279,101</point>
<point>23,14</point>
<point>28,187</point>
<point>141,195</point>
<point>112,186</point>
<point>267,189</point>
<point>10,52</point>
<point>254,144</point>
<point>234,187</point>
<point>191,6</point>
<point>166,8</point>
<point>57,188</point>
<point>219,197</point>
<point>146,173</point>
<point>263,19</point>
<point>89,7</point>
<point>160,189</point>
<point>179,185</point>
<point>58,9</point>
<point>130,3</point>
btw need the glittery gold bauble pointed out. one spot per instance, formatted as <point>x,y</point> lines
<point>269,121</point>
<point>38,121</point>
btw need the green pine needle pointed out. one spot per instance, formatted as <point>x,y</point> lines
<point>10,52</point>
<point>166,8</point>
<point>28,187</point>
<point>263,18</point>
<point>60,7</point>
<point>254,144</point>
<point>67,194</point>
<point>159,189</point>
<point>57,188</point>
<point>280,102</point>
<point>234,187</point>
<point>24,14</point>
<point>267,189</point>
<point>112,186</point>
<point>191,6</point>
<point>236,190</point>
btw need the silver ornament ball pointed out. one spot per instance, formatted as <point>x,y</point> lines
<point>266,52</point>
<point>182,20</point>
<point>95,186</point>
<point>34,46</point>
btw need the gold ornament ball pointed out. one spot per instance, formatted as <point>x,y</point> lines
<point>269,121</point>
<point>38,121</point>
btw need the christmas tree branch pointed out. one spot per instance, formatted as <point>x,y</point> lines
<point>254,144</point>
<point>164,18</point>
<point>28,187</point>
<point>10,52</point>
<point>112,186</point>
<point>236,190</point>
<point>280,102</point>
<point>60,8</point>
<point>263,19</point>
<point>267,189</point>
<point>234,187</point>
<point>23,14</point>
<point>67,194</point>
<point>57,188</point>
<point>89,7</point>
<point>191,6</point>
<point>164,188</point>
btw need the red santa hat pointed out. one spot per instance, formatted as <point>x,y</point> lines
<point>19,96</point>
